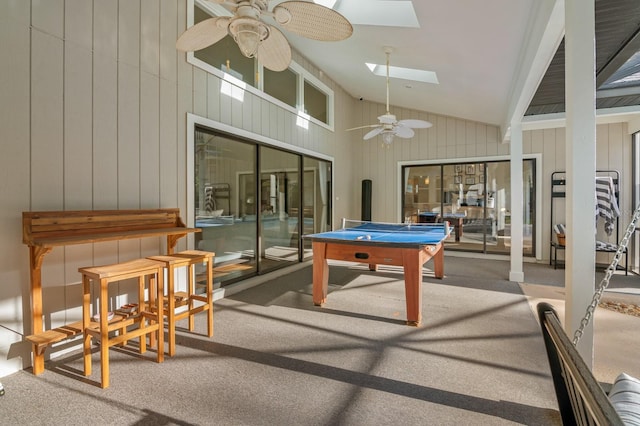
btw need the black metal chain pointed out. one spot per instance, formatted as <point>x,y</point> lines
<point>607,276</point>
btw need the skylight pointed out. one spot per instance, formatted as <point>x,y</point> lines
<point>404,73</point>
<point>326,3</point>
<point>386,13</point>
<point>627,75</point>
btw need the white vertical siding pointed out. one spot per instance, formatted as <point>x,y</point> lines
<point>15,182</point>
<point>94,111</point>
<point>450,138</point>
<point>47,138</point>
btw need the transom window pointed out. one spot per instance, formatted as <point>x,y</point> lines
<point>294,89</point>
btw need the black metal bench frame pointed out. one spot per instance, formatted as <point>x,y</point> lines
<point>581,399</point>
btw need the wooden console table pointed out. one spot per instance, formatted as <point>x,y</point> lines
<point>42,231</point>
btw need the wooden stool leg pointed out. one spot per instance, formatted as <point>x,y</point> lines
<point>160,314</point>
<point>171,310</point>
<point>86,339</point>
<point>104,333</point>
<point>191,292</point>
<point>209,287</point>
<point>143,307</point>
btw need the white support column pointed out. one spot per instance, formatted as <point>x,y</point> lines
<point>517,201</point>
<point>581,167</point>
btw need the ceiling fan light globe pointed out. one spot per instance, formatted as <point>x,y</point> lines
<point>387,138</point>
<point>248,33</point>
<point>248,40</point>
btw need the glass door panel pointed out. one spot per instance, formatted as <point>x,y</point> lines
<point>316,210</point>
<point>279,208</point>
<point>221,204</point>
<point>498,190</point>
<point>422,193</point>
<point>476,219</point>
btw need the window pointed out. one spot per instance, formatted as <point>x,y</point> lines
<point>315,102</point>
<point>225,55</point>
<point>290,89</point>
<point>281,85</point>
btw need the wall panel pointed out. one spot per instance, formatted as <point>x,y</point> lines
<point>105,28</point>
<point>128,136</point>
<point>236,111</point>
<point>200,92</point>
<point>150,37</point>
<point>214,101</point>
<point>47,164</point>
<point>168,162</point>
<point>14,183</point>
<point>105,132</point>
<point>47,87</point>
<point>149,152</point>
<point>149,168</point>
<point>129,32</point>
<point>48,17</point>
<point>78,122</point>
<point>78,22</point>
<point>168,36</point>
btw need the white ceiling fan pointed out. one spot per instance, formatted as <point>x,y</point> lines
<point>388,125</point>
<point>257,38</point>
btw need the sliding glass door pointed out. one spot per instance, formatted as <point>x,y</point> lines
<point>254,202</point>
<point>279,208</point>
<point>475,198</point>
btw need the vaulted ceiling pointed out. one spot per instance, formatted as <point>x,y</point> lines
<point>481,52</point>
<point>617,40</point>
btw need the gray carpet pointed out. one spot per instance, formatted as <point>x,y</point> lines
<point>275,359</point>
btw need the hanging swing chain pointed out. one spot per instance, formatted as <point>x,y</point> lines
<point>607,276</point>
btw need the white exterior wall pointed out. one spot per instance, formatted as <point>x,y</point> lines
<point>93,111</point>
<point>450,138</point>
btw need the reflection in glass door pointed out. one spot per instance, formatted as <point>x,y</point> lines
<point>223,202</point>
<point>279,207</point>
<point>316,210</point>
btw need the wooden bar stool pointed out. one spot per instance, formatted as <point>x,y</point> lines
<point>175,300</point>
<point>148,317</point>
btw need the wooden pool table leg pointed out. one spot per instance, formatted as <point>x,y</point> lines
<point>320,273</point>
<point>413,285</point>
<point>438,261</point>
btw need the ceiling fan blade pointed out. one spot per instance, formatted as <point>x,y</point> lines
<point>203,34</point>
<point>415,124</point>
<point>274,52</point>
<point>312,21</point>
<point>362,127</point>
<point>404,132</point>
<point>375,132</point>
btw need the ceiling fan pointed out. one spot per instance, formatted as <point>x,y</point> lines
<point>388,125</point>
<point>257,38</point>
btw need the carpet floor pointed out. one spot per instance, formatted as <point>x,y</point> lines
<point>276,359</point>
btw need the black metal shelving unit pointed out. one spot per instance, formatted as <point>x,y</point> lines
<point>558,191</point>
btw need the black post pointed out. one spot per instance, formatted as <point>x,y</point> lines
<point>366,200</point>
